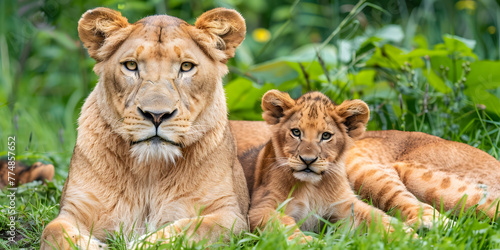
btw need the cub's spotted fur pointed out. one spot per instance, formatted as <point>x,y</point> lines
<point>409,171</point>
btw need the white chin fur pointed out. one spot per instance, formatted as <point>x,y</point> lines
<point>147,152</point>
<point>307,177</point>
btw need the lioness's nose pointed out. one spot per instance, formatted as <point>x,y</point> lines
<point>157,117</point>
<point>308,160</point>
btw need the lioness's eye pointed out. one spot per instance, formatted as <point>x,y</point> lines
<point>326,136</point>
<point>131,65</point>
<point>186,66</point>
<point>296,132</point>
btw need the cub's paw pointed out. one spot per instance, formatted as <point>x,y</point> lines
<point>429,221</point>
<point>303,239</point>
<point>408,230</point>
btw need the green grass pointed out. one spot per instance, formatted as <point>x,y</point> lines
<point>38,204</point>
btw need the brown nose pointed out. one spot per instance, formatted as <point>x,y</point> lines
<point>157,117</point>
<point>308,160</point>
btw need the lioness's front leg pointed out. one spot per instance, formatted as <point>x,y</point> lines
<point>60,232</point>
<point>212,227</point>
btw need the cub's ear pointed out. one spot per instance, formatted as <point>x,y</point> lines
<point>225,29</point>
<point>354,114</point>
<point>274,105</point>
<point>96,25</point>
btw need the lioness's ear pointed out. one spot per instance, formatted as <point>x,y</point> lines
<point>225,27</point>
<point>96,25</point>
<point>355,114</point>
<point>274,105</point>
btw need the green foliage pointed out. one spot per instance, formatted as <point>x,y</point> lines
<point>36,205</point>
<point>446,91</point>
<point>423,65</point>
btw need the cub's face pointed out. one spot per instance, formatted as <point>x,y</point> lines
<point>311,133</point>
<point>160,75</point>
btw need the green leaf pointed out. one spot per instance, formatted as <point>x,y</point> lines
<point>420,42</point>
<point>387,57</point>
<point>365,77</point>
<point>485,74</point>
<point>244,98</point>
<point>435,81</point>
<point>451,40</point>
<point>480,95</point>
<point>427,52</point>
<point>307,53</point>
<point>457,44</point>
<point>392,57</point>
<point>482,81</point>
<point>393,33</point>
<point>313,69</point>
<point>274,71</point>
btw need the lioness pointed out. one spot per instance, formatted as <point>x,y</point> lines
<point>154,145</point>
<point>306,153</point>
<point>409,171</point>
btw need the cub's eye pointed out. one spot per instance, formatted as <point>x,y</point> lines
<point>186,66</point>
<point>326,136</point>
<point>131,65</point>
<point>296,132</point>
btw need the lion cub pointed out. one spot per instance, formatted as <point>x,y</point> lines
<point>310,138</point>
<point>401,171</point>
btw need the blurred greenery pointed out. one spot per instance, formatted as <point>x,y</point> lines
<point>414,51</point>
<point>421,65</point>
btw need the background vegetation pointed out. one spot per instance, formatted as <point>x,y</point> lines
<point>427,65</point>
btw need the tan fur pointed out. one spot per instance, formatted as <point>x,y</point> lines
<point>411,171</point>
<point>154,145</point>
<point>319,186</point>
<point>24,174</point>
<point>248,134</point>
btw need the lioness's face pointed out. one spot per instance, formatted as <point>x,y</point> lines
<point>310,133</point>
<point>165,81</point>
<point>160,76</point>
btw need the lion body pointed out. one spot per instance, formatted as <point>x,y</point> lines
<point>413,170</point>
<point>409,171</point>
<point>154,145</point>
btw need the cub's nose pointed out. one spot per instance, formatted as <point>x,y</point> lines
<point>156,117</point>
<point>308,160</point>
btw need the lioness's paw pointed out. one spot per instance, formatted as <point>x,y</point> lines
<point>84,242</point>
<point>163,236</point>
<point>146,241</point>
